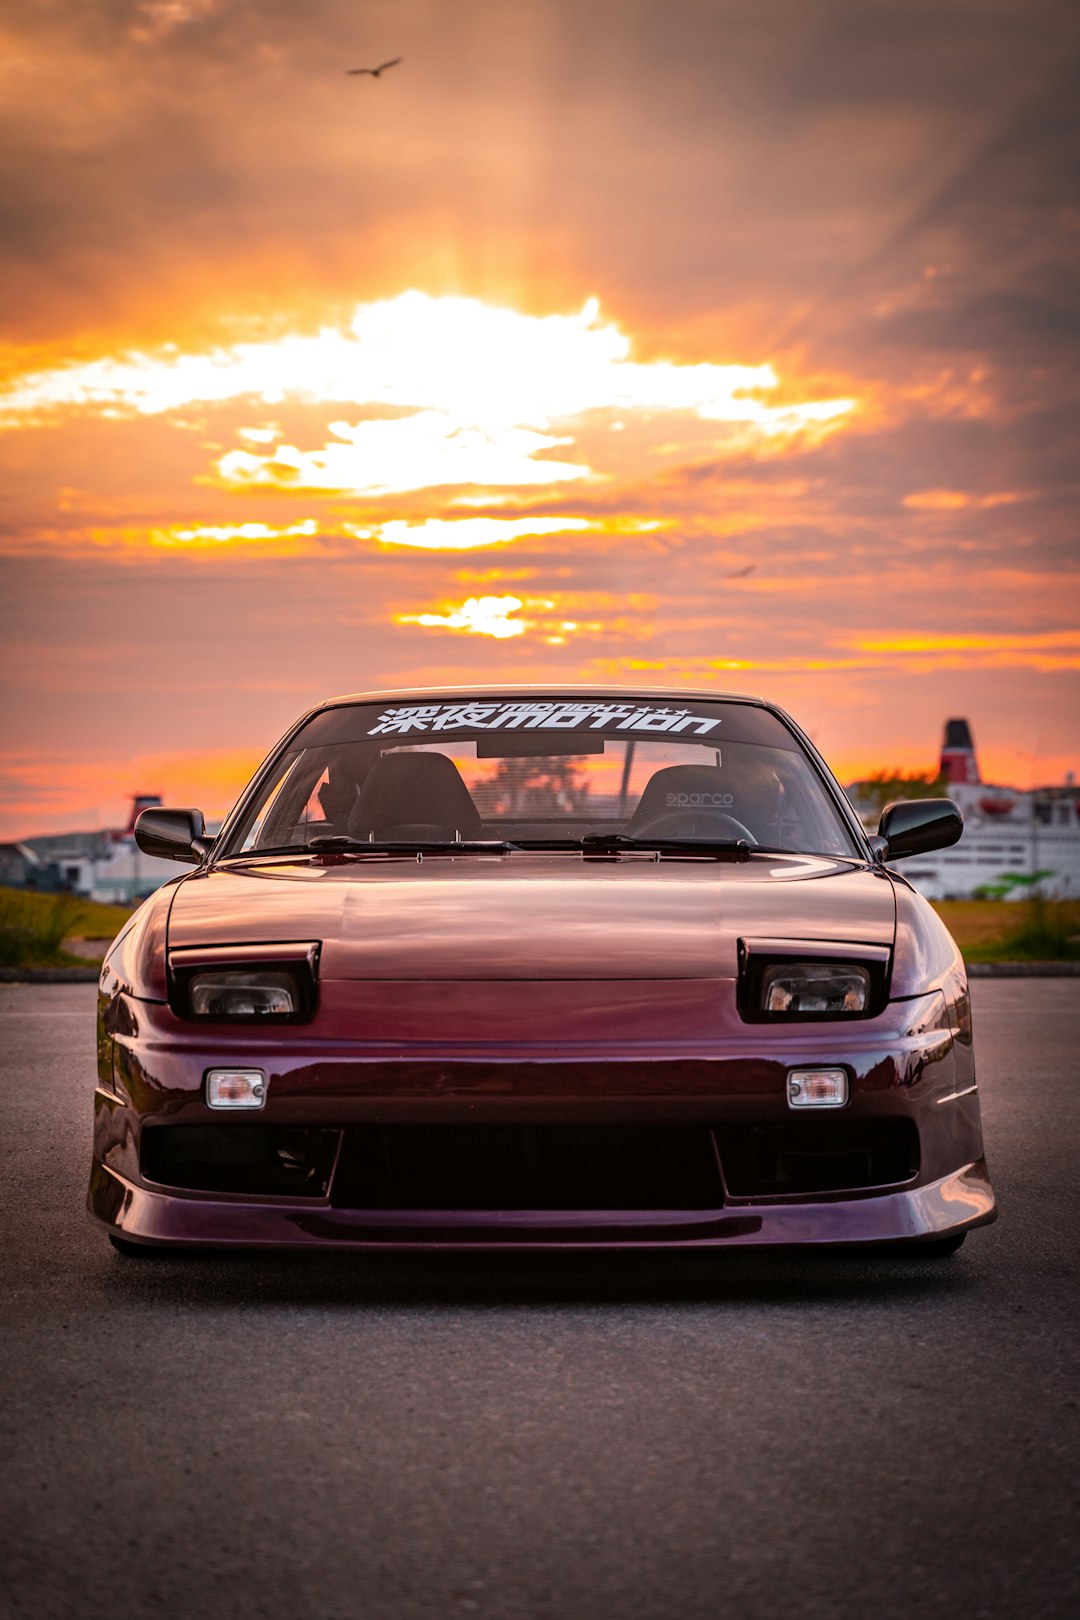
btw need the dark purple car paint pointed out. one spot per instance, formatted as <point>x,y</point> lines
<point>530,990</point>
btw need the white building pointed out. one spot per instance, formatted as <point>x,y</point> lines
<point>107,866</point>
<point>1013,841</point>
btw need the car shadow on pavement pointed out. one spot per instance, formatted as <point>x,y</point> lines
<point>244,1279</point>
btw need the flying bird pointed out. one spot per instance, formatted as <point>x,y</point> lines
<point>375,71</point>
<point>741,573</point>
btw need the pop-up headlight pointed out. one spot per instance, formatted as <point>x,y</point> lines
<point>815,989</point>
<point>243,993</point>
<point>245,984</point>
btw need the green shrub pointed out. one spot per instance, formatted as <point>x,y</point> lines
<point>16,940</point>
<point>33,927</point>
<point>1047,932</point>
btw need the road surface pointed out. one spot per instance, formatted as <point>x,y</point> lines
<point>706,1437</point>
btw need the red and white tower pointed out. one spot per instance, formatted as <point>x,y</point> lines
<point>958,762</point>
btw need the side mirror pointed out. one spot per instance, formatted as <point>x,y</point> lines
<point>914,826</point>
<point>173,835</point>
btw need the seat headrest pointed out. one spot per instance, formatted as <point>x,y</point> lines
<point>403,790</point>
<point>680,787</point>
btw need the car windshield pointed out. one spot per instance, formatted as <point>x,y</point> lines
<point>543,772</point>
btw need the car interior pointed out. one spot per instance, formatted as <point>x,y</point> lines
<point>417,793</point>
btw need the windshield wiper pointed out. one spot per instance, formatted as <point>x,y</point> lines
<point>341,844</point>
<point>332,844</point>
<point>541,844</point>
<point>613,843</point>
<point>333,841</point>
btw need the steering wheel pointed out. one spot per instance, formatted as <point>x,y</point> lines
<point>697,823</point>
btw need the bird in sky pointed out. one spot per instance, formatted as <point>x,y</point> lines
<point>741,573</point>
<point>375,71</point>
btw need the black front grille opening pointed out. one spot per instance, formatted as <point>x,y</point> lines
<point>817,1156</point>
<point>272,1160</point>
<point>529,1167</point>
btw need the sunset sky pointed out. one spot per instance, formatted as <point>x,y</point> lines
<point>723,343</point>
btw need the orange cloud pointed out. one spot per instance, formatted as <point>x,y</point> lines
<point>470,534</point>
<point>552,621</point>
<point>958,500</point>
<point>852,655</point>
<point>479,615</point>
<point>43,790</point>
<point>209,534</point>
<point>404,453</point>
<point>469,360</point>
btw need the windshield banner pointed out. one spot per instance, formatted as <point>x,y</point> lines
<point>550,716</point>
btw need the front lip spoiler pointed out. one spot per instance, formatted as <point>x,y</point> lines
<point>957,1202</point>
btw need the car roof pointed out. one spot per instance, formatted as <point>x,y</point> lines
<point>560,690</point>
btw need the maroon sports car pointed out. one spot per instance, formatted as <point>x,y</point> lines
<point>539,968</point>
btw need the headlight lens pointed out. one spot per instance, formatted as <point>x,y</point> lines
<point>243,993</point>
<point>821,989</point>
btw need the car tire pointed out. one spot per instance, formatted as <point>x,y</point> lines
<point>930,1248</point>
<point>133,1251</point>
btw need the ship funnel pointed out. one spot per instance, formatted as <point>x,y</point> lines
<point>139,803</point>
<point>958,762</point>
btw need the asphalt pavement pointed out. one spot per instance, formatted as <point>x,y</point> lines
<point>695,1437</point>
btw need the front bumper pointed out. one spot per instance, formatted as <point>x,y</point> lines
<point>910,1071</point>
<point>954,1203</point>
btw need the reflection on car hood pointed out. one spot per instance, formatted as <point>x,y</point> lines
<point>533,916</point>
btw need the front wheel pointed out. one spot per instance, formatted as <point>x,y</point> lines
<point>134,1251</point>
<point>929,1249</point>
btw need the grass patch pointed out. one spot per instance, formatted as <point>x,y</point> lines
<point>33,927</point>
<point>1032,930</point>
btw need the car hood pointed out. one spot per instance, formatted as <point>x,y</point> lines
<point>532,917</point>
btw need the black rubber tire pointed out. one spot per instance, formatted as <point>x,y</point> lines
<point>134,1251</point>
<point>931,1248</point>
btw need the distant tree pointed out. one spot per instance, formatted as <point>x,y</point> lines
<point>880,787</point>
<point>539,786</point>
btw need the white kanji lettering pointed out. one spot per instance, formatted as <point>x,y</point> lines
<point>476,716</point>
<point>415,718</point>
<point>553,716</point>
